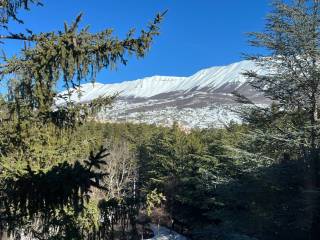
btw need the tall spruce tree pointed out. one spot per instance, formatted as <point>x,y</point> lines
<point>290,128</point>
<point>38,189</point>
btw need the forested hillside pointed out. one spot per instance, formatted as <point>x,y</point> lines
<point>198,183</point>
<point>211,189</point>
<point>64,175</point>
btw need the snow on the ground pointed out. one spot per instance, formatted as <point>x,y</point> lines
<point>204,117</point>
<point>164,233</point>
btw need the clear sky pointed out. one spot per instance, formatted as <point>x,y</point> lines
<point>194,35</point>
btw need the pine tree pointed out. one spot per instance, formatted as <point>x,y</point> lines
<point>42,187</point>
<point>289,129</point>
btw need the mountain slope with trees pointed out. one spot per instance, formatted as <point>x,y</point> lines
<point>256,180</point>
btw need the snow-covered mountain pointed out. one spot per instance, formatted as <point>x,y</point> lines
<point>201,100</point>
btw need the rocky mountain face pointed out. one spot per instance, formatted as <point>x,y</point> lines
<point>202,100</point>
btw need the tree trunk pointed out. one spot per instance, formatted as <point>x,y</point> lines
<point>3,235</point>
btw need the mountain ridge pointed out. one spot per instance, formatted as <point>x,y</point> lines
<point>214,78</point>
<point>165,99</point>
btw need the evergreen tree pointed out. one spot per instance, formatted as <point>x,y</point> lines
<point>180,166</point>
<point>289,129</point>
<point>44,188</point>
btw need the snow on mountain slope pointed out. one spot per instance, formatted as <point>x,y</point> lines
<point>201,100</point>
<point>212,78</point>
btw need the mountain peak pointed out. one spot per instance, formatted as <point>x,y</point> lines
<point>200,100</point>
<point>212,78</point>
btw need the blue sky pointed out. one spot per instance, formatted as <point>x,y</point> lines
<point>194,35</point>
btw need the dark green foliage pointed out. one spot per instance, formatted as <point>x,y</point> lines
<point>72,56</point>
<point>181,166</point>
<point>259,179</point>
<point>288,130</point>
<point>9,9</point>
<point>118,214</point>
<point>211,189</point>
<point>47,188</point>
<point>32,195</point>
<point>215,191</point>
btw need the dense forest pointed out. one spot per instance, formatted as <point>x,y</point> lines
<point>197,182</point>
<point>64,175</point>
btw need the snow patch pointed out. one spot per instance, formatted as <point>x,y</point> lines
<point>163,233</point>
